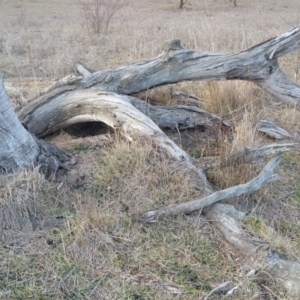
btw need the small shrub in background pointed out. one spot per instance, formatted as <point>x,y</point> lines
<point>181,3</point>
<point>98,14</point>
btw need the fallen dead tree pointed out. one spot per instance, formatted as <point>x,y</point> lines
<point>258,64</point>
<point>104,97</point>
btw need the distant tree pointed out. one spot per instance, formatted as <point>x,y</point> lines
<point>98,14</point>
<point>182,2</point>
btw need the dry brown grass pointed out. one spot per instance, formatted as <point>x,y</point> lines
<point>102,254</point>
<point>228,98</point>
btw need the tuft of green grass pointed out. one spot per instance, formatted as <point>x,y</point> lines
<point>81,146</point>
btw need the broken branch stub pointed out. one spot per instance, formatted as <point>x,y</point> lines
<point>272,130</point>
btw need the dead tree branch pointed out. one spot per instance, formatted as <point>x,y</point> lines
<point>259,255</point>
<point>252,155</point>
<point>257,64</point>
<point>272,130</point>
<point>266,176</point>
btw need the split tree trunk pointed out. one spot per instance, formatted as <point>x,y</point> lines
<point>19,149</point>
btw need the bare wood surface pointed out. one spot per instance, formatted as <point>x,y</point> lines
<point>76,106</point>
<point>65,106</point>
<point>250,155</point>
<point>266,176</point>
<point>83,70</point>
<point>68,80</point>
<point>19,149</point>
<point>257,64</point>
<point>259,255</point>
<point>272,130</point>
<point>178,117</point>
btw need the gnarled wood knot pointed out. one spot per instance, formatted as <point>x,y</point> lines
<point>172,45</point>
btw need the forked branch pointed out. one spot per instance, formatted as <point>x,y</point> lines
<point>182,2</point>
<point>257,64</point>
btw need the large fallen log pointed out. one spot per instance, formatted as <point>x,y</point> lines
<point>257,64</point>
<point>76,106</point>
<point>65,107</point>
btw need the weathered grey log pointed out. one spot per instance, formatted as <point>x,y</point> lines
<point>46,115</point>
<point>178,117</point>
<point>250,155</point>
<point>259,255</point>
<point>184,99</point>
<point>19,149</point>
<point>67,106</point>
<point>266,176</point>
<point>272,130</point>
<point>69,80</point>
<point>53,112</point>
<point>257,64</point>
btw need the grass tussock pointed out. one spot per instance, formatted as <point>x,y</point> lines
<point>227,98</point>
<point>102,254</point>
<point>25,199</point>
<point>244,135</point>
<point>138,178</point>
